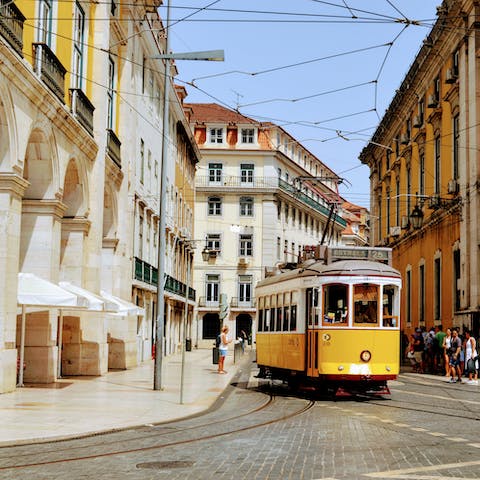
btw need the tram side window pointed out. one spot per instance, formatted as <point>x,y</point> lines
<point>286,317</point>
<point>390,317</point>
<point>335,304</point>
<point>279,323</point>
<point>365,300</point>
<point>260,320</point>
<point>293,318</point>
<point>272,319</point>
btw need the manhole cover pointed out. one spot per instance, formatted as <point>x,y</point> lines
<point>166,464</point>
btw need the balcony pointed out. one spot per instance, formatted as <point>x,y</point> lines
<point>230,181</point>
<point>203,302</point>
<point>295,192</point>
<point>49,69</point>
<point>113,147</point>
<point>144,272</point>
<point>236,303</point>
<point>11,25</point>
<point>82,109</point>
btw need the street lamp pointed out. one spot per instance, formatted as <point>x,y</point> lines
<point>214,55</point>
<point>416,217</point>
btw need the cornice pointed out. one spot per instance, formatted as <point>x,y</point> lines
<point>44,207</point>
<point>76,224</point>
<point>13,183</point>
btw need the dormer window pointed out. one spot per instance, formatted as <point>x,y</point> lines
<point>216,135</point>
<point>247,135</point>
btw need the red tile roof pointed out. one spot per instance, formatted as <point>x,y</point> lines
<point>212,112</point>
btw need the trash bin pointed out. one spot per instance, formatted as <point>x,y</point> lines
<point>215,355</point>
<point>188,344</point>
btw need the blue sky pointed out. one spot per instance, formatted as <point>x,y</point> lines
<point>320,69</point>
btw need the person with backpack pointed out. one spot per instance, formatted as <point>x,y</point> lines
<point>223,348</point>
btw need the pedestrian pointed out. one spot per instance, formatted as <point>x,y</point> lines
<point>223,348</point>
<point>243,339</point>
<point>446,351</point>
<point>419,347</point>
<point>439,352</point>
<point>471,358</point>
<point>454,357</point>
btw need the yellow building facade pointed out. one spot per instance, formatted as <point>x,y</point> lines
<point>423,172</point>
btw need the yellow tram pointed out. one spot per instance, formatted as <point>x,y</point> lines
<point>333,322</point>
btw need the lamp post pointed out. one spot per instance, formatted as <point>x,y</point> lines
<point>214,55</point>
<point>416,217</point>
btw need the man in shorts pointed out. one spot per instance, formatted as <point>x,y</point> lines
<point>454,357</point>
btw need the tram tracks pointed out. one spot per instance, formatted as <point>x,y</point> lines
<point>158,437</point>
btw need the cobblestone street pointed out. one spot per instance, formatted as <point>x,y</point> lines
<point>426,430</point>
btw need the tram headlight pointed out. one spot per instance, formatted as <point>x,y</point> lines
<point>340,368</point>
<point>365,356</point>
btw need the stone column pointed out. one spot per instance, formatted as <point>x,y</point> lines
<point>12,189</point>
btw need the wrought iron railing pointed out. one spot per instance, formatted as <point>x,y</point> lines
<point>235,302</point>
<point>203,302</point>
<point>82,108</point>
<point>236,181</point>
<point>49,68</point>
<point>11,25</point>
<point>113,147</point>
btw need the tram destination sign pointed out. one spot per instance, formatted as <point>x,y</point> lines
<point>359,253</point>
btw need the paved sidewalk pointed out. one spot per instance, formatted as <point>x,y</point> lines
<point>76,406</point>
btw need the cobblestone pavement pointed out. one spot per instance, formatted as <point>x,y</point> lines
<point>428,430</point>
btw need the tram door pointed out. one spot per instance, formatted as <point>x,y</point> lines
<point>312,313</point>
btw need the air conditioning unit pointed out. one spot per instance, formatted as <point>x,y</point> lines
<point>452,186</point>
<point>434,202</point>
<point>395,231</point>
<point>417,121</point>
<point>243,261</point>
<point>404,139</point>
<point>405,222</point>
<point>432,101</point>
<point>451,76</point>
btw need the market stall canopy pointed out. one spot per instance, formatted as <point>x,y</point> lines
<point>33,290</point>
<point>124,307</point>
<point>94,302</point>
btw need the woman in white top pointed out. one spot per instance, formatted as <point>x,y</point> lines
<point>446,347</point>
<point>223,348</point>
<point>470,358</point>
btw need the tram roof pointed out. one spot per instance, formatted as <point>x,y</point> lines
<point>339,268</point>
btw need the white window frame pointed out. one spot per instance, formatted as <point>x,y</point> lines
<point>245,245</point>
<point>217,135</point>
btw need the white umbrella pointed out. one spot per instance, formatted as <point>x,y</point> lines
<point>124,307</point>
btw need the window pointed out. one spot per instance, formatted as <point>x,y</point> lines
<point>246,206</point>
<point>421,173</point>
<point>78,43</point>
<point>248,135</point>
<point>246,172</point>
<point>365,304</point>
<point>421,110</point>
<point>335,304</point>
<point>388,211</point>
<point>215,172</point>
<point>421,294</point>
<point>390,313</point>
<point>245,289</point>
<point>409,189</point>
<point>387,162</point>
<point>140,236</point>
<point>456,140</point>
<point>437,272</point>
<point>214,242</point>
<point>246,245</point>
<point>212,288</point>
<point>437,165</point>
<point>216,135</point>
<point>142,160</point>
<point>408,297</point>
<point>397,202</point>
<point>455,62</point>
<point>456,277</point>
<point>110,93</point>
<point>214,206</point>
<point>436,89</point>
<point>279,247</point>
<point>45,22</point>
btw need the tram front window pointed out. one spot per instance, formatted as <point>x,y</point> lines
<point>365,304</point>
<point>335,302</point>
<point>389,314</point>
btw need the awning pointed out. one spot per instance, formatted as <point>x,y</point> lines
<point>94,302</point>
<point>124,307</point>
<point>33,290</point>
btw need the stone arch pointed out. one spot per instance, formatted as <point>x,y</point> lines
<point>8,138</point>
<point>41,166</point>
<point>109,213</point>
<point>74,191</point>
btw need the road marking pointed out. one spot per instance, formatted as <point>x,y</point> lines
<point>476,445</point>
<point>419,429</point>
<point>437,434</point>
<point>457,439</point>
<point>406,473</point>
<point>439,397</point>
<point>402,425</point>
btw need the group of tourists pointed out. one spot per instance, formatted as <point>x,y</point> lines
<point>435,351</point>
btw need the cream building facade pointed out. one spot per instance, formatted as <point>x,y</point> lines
<point>261,197</point>
<point>80,117</point>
